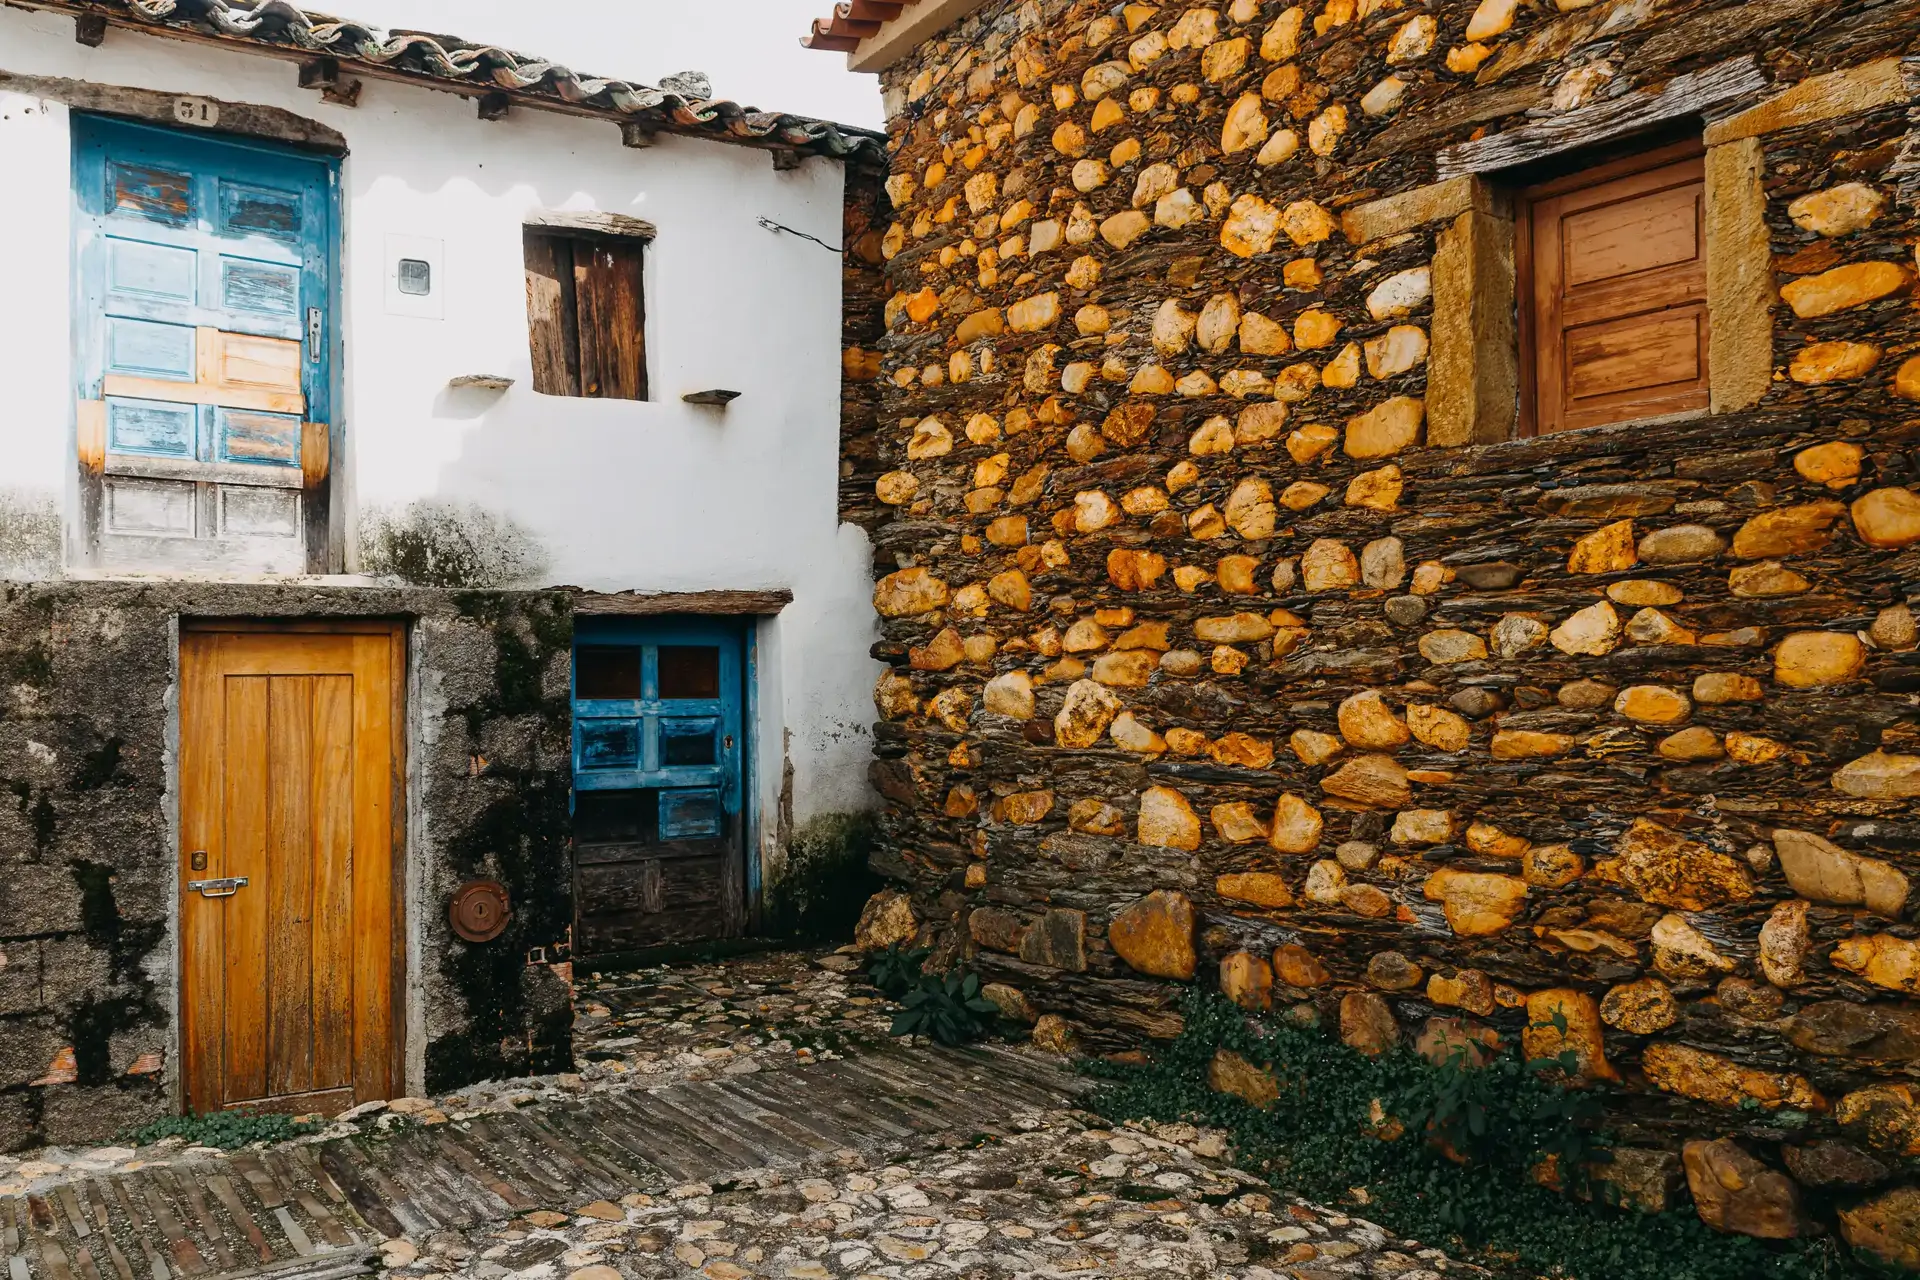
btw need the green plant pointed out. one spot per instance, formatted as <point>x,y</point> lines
<point>949,1009</point>
<point>896,971</point>
<point>226,1130</point>
<point>1452,1153</point>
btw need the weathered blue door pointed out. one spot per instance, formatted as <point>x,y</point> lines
<point>657,764</point>
<point>204,271</point>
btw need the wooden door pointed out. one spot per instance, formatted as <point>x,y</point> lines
<point>658,754</point>
<point>1616,326</point>
<point>205,270</point>
<point>291,781</point>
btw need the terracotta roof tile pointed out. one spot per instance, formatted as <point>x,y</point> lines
<point>680,104</point>
<point>852,22</point>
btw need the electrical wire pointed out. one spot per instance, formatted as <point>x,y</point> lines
<point>771,225</point>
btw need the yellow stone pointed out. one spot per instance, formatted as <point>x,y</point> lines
<point>1882,959</point>
<point>1296,826</point>
<point>1653,704</point>
<point>1250,227</point>
<point>1594,630</point>
<point>1667,869</point>
<point>1609,549</point>
<point>1236,822</point>
<point>1812,659</point>
<point>1030,315</point>
<point>1230,1073</point>
<point>1490,841</point>
<point>1377,781</point>
<point>1640,1008</point>
<point>1154,935</point>
<point>1788,530</point>
<point>1376,490</point>
<point>1314,747</point>
<point>1843,287</point>
<point>1261,888</point>
<point>1888,518</point>
<point>1386,429</point>
<point>1837,211</point>
<point>1129,670</point>
<point>1307,223</point>
<point>1529,744</point>
<point>1562,1020</point>
<point>1367,722</point>
<point>1726,686</point>
<point>1906,380</point>
<point>908,592</point>
<point>1328,565</point>
<point>1167,821</point>
<point>1708,1077</point>
<point>1010,694</point>
<point>1835,464</point>
<point>1476,903</point>
<point>1822,362</point>
<point>1438,728</point>
<point>1643,592</point>
<point>1765,581</point>
<point>1083,719</point>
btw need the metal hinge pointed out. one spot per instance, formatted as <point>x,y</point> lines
<point>316,332</point>
<point>217,888</point>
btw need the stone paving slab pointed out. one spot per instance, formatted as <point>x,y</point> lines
<point>330,1201</point>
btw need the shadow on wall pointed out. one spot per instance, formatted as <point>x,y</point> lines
<point>29,535</point>
<point>448,544</point>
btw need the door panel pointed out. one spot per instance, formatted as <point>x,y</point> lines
<point>1617,322</point>
<point>200,264</point>
<point>290,757</point>
<point>658,794</point>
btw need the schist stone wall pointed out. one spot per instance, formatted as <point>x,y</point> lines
<point>1233,641</point>
<point>87,850</point>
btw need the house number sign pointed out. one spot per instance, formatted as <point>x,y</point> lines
<point>204,112</point>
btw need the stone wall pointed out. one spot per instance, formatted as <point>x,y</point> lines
<point>1208,666</point>
<point>86,848</point>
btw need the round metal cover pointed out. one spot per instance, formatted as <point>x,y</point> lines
<point>479,910</point>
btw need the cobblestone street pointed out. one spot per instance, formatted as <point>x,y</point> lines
<point>737,1119</point>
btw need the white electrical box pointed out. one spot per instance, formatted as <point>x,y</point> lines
<point>416,283</point>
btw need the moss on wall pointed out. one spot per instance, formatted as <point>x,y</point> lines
<point>818,889</point>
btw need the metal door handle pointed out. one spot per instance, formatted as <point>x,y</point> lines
<point>217,888</point>
<point>316,330</point>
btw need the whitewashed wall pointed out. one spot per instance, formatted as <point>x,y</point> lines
<point>608,495</point>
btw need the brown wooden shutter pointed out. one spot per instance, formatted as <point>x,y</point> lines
<point>586,316</point>
<point>1617,327</point>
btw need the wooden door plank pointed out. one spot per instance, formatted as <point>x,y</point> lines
<point>552,316</point>
<point>331,806</point>
<point>202,963</point>
<point>246,912</point>
<point>288,891</point>
<point>375,898</point>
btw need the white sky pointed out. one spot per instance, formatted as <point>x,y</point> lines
<point>749,48</point>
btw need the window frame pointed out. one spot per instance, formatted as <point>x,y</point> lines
<point>1575,179</point>
<point>620,237</point>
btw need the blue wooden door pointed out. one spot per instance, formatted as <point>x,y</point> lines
<point>204,272</point>
<point>658,793</point>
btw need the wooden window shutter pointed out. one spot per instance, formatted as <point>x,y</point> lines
<point>586,315</point>
<point>1614,293</point>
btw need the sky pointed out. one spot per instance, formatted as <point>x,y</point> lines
<point>750,49</point>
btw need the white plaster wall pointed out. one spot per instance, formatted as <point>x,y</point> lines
<point>611,495</point>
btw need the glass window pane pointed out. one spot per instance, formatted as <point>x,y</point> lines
<point>610,744</point>
<point>687,742</point>
<point>616,817</point>
<point>688,671</point>
<point>606,673</point>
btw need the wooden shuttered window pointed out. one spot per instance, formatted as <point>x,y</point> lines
<point>1613,293</point>
<point>586,314</point>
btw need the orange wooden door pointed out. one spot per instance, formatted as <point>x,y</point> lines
<point>1619,300</point>
<point>290,759</point>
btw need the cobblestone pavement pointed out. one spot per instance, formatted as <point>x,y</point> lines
<point>668,1155</point>
<point>1062,1196</point>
